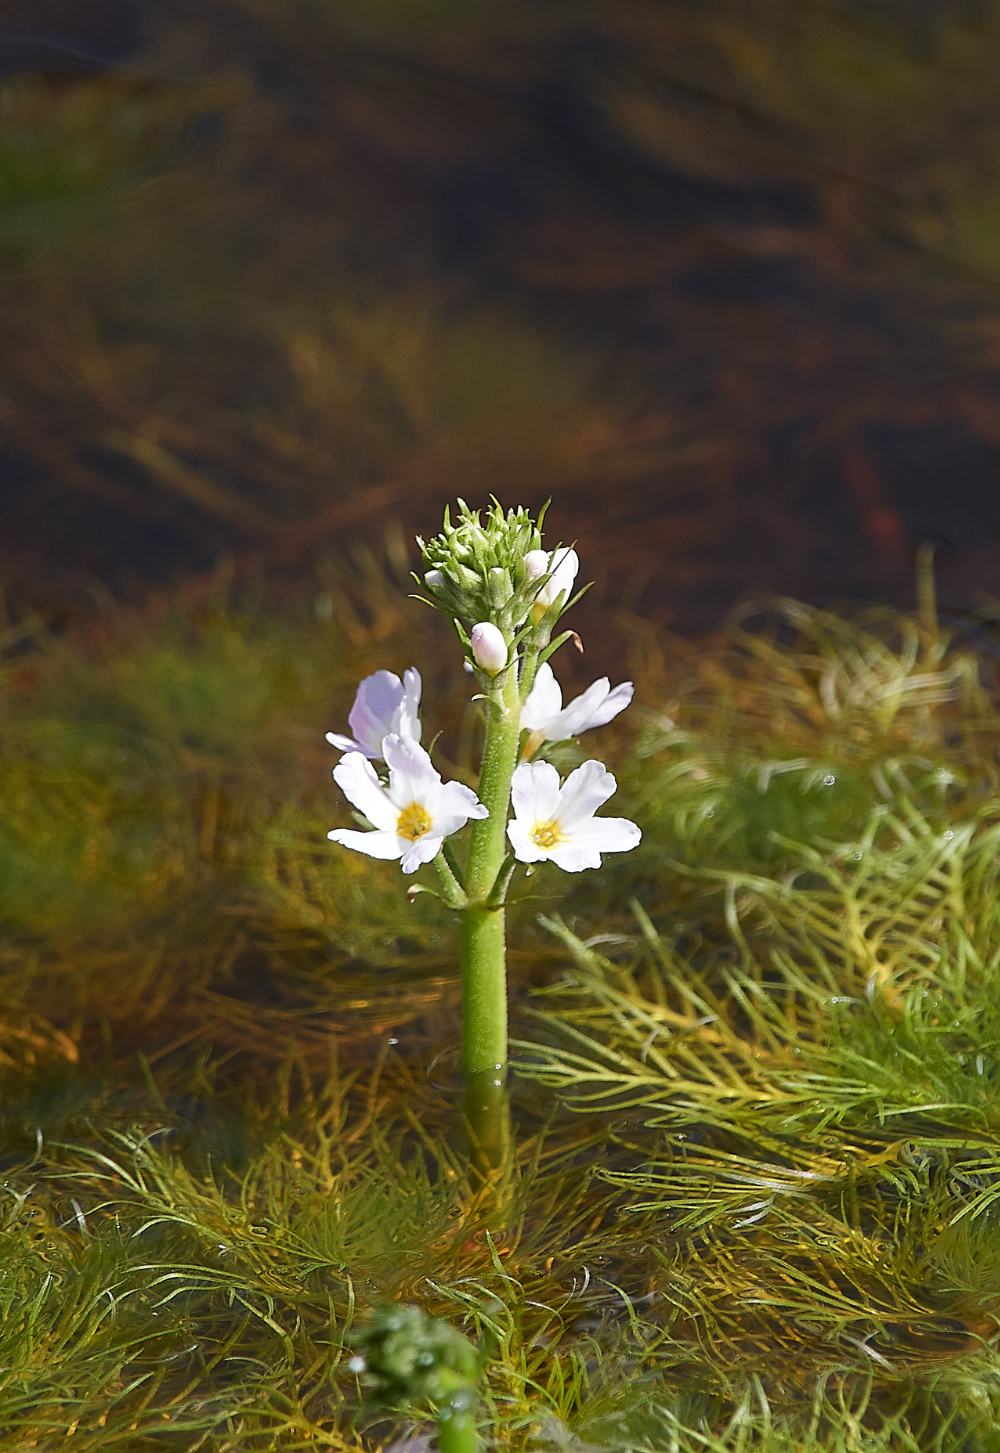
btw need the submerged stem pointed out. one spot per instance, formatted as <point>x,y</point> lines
<point>457,1434</point>
<point>927,613</point>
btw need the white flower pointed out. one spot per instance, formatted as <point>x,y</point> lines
<point>564,565</point>
<point>559,823</point>
<point>488,647</point>
<point>383,704</point>
<point>544,715</point>
<point>414,815</point>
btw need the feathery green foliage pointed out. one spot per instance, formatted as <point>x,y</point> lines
<point>756,1188</point>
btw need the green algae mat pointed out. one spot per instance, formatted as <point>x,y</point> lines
<point>756,1178</point>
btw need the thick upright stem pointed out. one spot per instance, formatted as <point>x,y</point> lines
<point>484,1040</point>
<point>484,991</point>
<point>484,966</point>
<point>489,835</point>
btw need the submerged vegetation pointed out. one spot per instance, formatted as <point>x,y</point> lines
<point>756,1180</point>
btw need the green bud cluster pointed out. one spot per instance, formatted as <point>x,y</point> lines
<point>475,571</point>
<point>408,1359</point>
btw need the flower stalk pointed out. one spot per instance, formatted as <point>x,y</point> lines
<point>504,594</point>
<point>484,950</point>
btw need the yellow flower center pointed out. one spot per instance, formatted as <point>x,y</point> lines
<point>413,822</point>
<point>546,834</point>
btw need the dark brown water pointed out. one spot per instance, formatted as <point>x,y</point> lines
<point>724,285</point>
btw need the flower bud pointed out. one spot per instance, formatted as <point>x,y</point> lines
<point>488,647</point>
<point>499,586</point>
<point>536,562</point>
<point>564,565</point>
<point>434,579</point>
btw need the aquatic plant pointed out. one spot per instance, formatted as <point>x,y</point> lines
<point>505,596</point>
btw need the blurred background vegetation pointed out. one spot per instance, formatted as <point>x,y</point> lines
<point>720,278</point>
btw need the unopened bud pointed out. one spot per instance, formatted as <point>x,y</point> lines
<point>488,647</point>
<point>536,562</point>
<point>564,564</point>
<point>499,587</point>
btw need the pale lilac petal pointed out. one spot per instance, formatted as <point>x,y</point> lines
<point>582,794</point>
<point>374,706</point>
<point>375,844</point>
<point>412,776</point>
<point>607,834</point>
<point>544,701</point>
<point>424,850</point>
<point>573,856</point>
<point>615,701</point>
<point>576,717</point>
<point>525,851</point>
<point>405,719</point>
<point>344,744</point>
<point>534,791</point>
<point>356,778</point>
<point>455,805</point>
<point>595,708</point>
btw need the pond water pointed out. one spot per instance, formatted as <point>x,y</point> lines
<point>724,287</point>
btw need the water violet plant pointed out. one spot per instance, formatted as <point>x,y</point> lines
<point>505,595</point>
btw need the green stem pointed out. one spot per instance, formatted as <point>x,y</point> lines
<point>452,862</point>
<point>457,1434</point>
<point>484,967</point>
<point>529,669</point>
<point>484,991</point>
<point>454,894</point>
<point>499,895</point>
<point>488,842</point>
